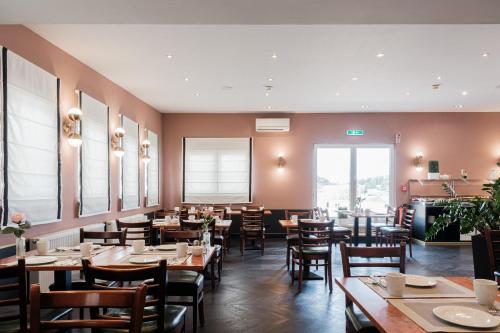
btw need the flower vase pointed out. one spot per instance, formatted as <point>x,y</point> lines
<point>20,247</point>
<point>206,238</point>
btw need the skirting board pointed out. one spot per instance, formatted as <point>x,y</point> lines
<point>423,243</point>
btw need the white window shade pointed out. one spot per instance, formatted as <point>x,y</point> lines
<point>94,157</point>
<point>153,174</point>
<point>130,165</point>
<point>217,170</point>
<point>31,122</point>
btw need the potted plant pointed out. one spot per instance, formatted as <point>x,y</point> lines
<point>207,218</point>
<point>433,170</point>
<point>476,215</point>
<point>18,228</point>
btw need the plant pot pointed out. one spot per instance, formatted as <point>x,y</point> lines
<point>482,269</point>
<point>433,175</point>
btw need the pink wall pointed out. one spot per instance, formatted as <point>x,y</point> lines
<point>76,75</point>
<point>458,140</point>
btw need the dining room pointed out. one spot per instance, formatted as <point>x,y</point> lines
<point>271,166</point>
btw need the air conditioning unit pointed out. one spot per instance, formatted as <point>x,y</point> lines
<point>272,124</point>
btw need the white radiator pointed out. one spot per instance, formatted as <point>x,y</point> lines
<point>69,237</point>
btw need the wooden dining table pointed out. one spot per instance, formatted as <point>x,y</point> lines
<point>232,212</point>
<point>114,255</point>
<point>385,316</point>
<point>368,230</point>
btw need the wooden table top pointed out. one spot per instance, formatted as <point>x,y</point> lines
<point>288,224</point>
<point>235,212</point>
<point>225,224</point>
<point>113,256</point>
<point>386,317</point>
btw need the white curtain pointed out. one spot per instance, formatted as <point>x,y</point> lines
<point>130,165</point>
<point>152,174</point>
<point>94,158</point>
<point>217,170</point>
<point>32,123</point>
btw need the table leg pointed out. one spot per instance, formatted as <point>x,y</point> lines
<point>356,231</point>
<point>307,274</point>
<point>368,231</point>
<point>62,280</point>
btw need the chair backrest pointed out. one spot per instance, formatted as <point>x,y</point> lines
<point>314,234</point>
<point>301,214</point>
<point>13,292</point>
<point>93,299</point>
<point>168,236</point>
<point>348,252</point>
<point>408,218</point>
<point>253,219</point>
<point>493,244</point>
<point>137,230</point>
<point>120,236</point>
<point>220,212</point>
<point>155,277</point>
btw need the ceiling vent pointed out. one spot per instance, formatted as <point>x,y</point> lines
<point>272,125</point>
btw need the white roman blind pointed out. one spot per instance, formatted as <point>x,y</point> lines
<point>217,170</point>
<point>152,173</point>
<point>130,165</point>
<point>94,157</point>
<point>31,126</point>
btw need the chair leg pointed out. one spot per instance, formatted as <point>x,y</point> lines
<point>293,272</point>
<point>201,310</point>
<point>410,239</point>
<point>262,244</point>
<point>301,265</point>
<point>288,257</point>
<point>242,246</point>
<point>330,281</point>
<point>212,273</point>
<point>326,272</point>
<point>195,313</point>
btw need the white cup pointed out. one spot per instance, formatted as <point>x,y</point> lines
<point>395,283</point>
<point>294,218</point>
<point>217,219</point>
<point>85,249</point>
<point>228,209</point>
<point>191,218</point>
<point>211,209</point>
<point>168,219</point>
<point>42,247</point>
<point>192,209</point>
<point>486,291</point>
<point>197,250</point>
<point>181,249</point>
<point>138,245</point>
<point>176,209</point>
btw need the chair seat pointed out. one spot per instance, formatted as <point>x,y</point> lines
<point>379,225</point>
<point>184,283</point>
<point>394,230</point>
<point>358,320</point>
<point>341,230</point>
<point>292,236</point>
<point>311,250</point>
<point>174,316</point>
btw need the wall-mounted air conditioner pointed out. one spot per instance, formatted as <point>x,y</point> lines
<point>272,124</point>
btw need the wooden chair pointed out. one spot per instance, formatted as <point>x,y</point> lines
<point>356,320</point>
<point>186,286</point>
<point>157,315</point>
<point>94,299</point>
<point>339,233</point>
<point>222,237</point>
<point>118,236</point>
<point>252,228</point>
<point>137,230</point>
<point>388,222</point>
<point>315,243</point>
<point>292,235</point>
<point>398,233</point>
<point>493,244</point>
<point>13,298</point>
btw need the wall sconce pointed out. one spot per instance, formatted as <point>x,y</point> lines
<point>281,162</point>
<point>145,149</point>
<point>116,141</point>
<point>417,162</point>
<point>71,127</point>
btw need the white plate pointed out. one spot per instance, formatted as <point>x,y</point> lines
<point>167,247</point>
<point>40,260</point>
<point>464,316</point>
<point>94,247</point>
<point>420,281</point>
<point>144,260</point>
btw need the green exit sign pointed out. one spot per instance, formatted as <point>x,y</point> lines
<point>355,132</point>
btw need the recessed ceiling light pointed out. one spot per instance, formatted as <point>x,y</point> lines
<point>464,93</point>
<point>485,54</point>
<point>337,94</point>
<point>380,55</point>
<point>364,107</point>
<point>274,56</point>
<point>267,94</point>
<point>458,106</point>
<point>197,94</point>
<point>408,93</point>
<point>170,56</point>
<point>186,79</point>
<point>439,78</point>
<point>269,107</point>
<point>270,79</point>
<point>355,78</point>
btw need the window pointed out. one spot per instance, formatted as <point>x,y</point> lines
<point>94,157</point>
<point>346,175</point>
<point>130,165</point>
<point>152,172</point>
<point>217,170</point>
<point>31,157</point>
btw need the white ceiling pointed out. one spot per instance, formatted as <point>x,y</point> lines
<point>313,64</point>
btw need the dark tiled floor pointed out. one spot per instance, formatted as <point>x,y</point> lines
<point>255,293</point>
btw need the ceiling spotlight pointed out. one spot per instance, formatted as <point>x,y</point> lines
<point>364,107</point>
<point>269,107</point>
<point>186,79</point>
<point>380,55</point>
<point>458,106</point>
<point>355,78</point>
<point>408,93</point>
<point>337,94</point>
<point>197,94</point>
<point>274,56</point>
<point>270,79</point>
<point>464,93</point>
<point>485,54</point>
<point>267,94</point>
<point>439,78</point>
<point>169,56</point>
